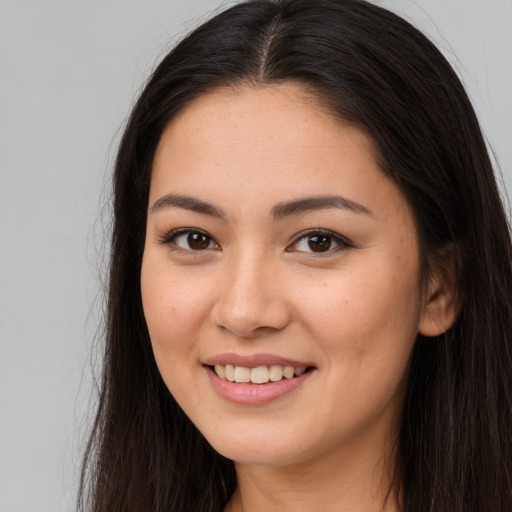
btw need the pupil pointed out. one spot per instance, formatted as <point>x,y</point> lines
<point>319,243</point>
<point>198,241</point>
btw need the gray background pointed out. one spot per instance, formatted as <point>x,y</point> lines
<point>69,73</point>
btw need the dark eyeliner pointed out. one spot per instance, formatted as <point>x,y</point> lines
<point>168,238</point>
<point>344,242</point>
<point>171,235</point>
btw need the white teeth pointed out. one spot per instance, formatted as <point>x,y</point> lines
<point>229,371</point>
<point>219,370</point>
<point>276,373</point>
<point>288,372</point>
<point>242,374</point>
<point>258,375</point>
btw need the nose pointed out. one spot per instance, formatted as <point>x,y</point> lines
<point>251,298</point>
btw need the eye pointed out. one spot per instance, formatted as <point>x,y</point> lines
<point>190,240</point>
<point>318,241</point>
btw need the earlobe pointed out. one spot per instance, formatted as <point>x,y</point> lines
<point>443,299</point>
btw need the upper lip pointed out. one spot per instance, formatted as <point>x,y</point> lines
<point>253,360</point>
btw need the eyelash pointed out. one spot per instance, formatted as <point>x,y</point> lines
<point>170,239</point>
<point>341,242</point>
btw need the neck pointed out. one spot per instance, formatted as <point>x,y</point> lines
<point>352,482</point>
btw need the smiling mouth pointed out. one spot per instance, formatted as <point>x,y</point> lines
<point>258,375</point>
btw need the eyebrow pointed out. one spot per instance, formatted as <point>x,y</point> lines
<point>188,203</point>
<point>308,204</point>
<point>279,211</point>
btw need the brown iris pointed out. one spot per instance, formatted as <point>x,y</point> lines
<point>198,241</point>
<point>319,243</point>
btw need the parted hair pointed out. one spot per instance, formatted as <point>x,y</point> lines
<point>373,69</point>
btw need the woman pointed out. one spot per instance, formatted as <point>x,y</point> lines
<point>310,287</point>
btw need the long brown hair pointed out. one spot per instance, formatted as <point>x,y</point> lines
<point>374,69</point>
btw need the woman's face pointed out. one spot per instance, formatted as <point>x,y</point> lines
<point>275,241</point>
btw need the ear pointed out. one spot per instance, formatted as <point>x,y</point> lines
<point>442,301</point>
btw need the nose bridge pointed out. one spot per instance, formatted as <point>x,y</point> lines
<point>250,297</point>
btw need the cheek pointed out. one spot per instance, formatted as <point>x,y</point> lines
<point>366,334</point>
<point>174,310</point>
<point>174,313</point>
<point>365,322</point>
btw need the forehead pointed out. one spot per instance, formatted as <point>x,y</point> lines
<point>273,141</point>
<point>273,112</point>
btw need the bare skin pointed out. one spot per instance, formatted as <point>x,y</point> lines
<point>359,486</point>
<point>273,236</point>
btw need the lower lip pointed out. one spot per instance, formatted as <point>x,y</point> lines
<point>254,394</point>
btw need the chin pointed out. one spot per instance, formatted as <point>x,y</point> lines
<point>262,448</point>
<point>257,455</point>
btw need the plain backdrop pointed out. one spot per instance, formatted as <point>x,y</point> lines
<point>69,73</point>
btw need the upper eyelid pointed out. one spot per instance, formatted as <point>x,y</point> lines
<point>171,235</point>
<point>181,231</point>
<point>174,233</point>
<point>321,231</point>
<point>342,244</point>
